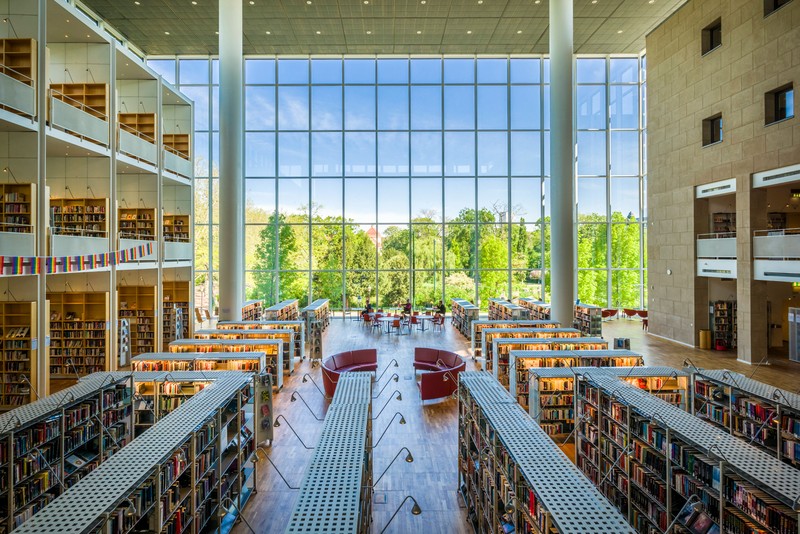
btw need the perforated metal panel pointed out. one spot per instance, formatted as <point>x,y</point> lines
<point>638,372</point>
<point>753,387</point>
<point>481,386</point>
<point>353,388</point>
<point>81,507</point>
<point>191,356</point>
<point>768,473</point>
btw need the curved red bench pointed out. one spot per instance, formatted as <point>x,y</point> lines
<point>441,378</point>
<point>353,360</point>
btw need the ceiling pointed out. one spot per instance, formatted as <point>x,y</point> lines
<point>384,26</point>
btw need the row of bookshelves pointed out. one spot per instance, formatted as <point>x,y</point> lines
<point>318,311</point>
<point>252,310</point>
<point>287,310</point>
<point>723,324</point>
<point>137,304</point>
<point>78,333</point>
<point>298,327</point>
<point>17,207</point>
<point>271,348</point>
<point>476,338</point>
<point>513,477</point>
<point>488,335</point>
<point>463,313</point>
<point>589,319</point>
<point>500,309</point>
<point>286,335</point>
<point>537,309</point>
<point>650,457</point>
<point>18,361</point>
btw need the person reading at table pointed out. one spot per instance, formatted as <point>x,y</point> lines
<point>368,307</point>
<point>407,307</point>
<point>440,308</point>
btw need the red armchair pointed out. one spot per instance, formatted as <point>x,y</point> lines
<point>440,376</point>
<point>354,360</point>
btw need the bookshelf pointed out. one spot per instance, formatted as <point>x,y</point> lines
<point>171,323</point>
<point>513,477</point>
<point>723,223</point>
<point>723,324</point>
<point>320,311</point>
<point>18,59</point>
<point>178,293</point>
<point>252,310</point>
<point>252,362</point>
<point>298,327</point>
<point>500,309</point>
<point>137,223</point>
<point>176,477</point>
<point>549,394</point>
<point>286,310</point>
<point>463,313</point>
<point>79,329</point>
<point>50,444</point>
<point>476,339</point>
<point>776,220</point>
<point>537,309</point>
<point>177,143</point>
<point>336,492</point>
<point>18,328</point>
<point>176,228</point>
<point>490,334</point>
<point>756,412</point>
<point>79,216</point>
<point>137,304</point>
<point>272,349</point>
<point>501,348</point>
<point>589,319</point>
<point>91,98</point>
<point>285,335</point>
<point>141,125</point>
<point>659,455</point>
<point>18,207</point>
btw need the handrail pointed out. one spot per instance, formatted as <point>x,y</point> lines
<point>77,232</point>
<point>776,232</point>
<point>78,104</point>
<point>133,131</point>
<point>15,71</point>
<point>184,155</point>
<point>717,235</point>
<point>4,224</point>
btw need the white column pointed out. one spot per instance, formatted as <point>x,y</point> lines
<point>562,167</point>
<point>42,379</point>
<point>231,180</point>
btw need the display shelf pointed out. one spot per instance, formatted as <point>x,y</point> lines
<point>549,393</point>
<point>723,223</point>
<point>137,304</point>
<point>513,477</point>
<point>723,324</point>
<point>476,338</point>
<point>500,309</point>
<point>172,323</point>
<point>176,228</point>
<point>142,125</point>
<point>20,365</point>
<point>537,309</point>
<point>79,334</point>
<point>18,208</point>
<point>463,313</point>
<point>178,144</point>
<point>18,59</point>
<point>763,415</point>
<point>319,310</point>
<point>299,328</point>
<point>589,319</point>
<point>85,217</point>
<point>50,444</point>
<point>336,492</point>
<point>659,455</point>
<point>501,347</point>
<point>286,310</point>
<point>284,334</point>
<point>91,98</point>
<point>488,335</point>
<point>176,476</point>
<point>272,349</point>
<point>178,292</point>
<point>137,223</point>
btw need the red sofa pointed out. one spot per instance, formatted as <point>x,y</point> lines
<point>440,376</point>
<point>353,360</point>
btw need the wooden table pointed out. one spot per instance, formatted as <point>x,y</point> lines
<point>422,319</point>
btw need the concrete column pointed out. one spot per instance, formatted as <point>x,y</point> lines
<point>41,381</point>
<point>231,179</point>
<point>751,295</point>
<point>562,164</point>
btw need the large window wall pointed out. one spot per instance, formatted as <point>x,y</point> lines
<point>425,178</point>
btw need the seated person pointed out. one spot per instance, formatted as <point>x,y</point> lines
<point>407,307</point>
<point>440,308</point>
<point>368,307</point>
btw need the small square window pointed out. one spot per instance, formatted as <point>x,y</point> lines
<point>712,36</point>
<point>712,130</point>
<point>770,6</point>
<point>779,104</point>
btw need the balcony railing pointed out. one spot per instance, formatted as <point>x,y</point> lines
<point>776,244</point>
<point>18,92</point>
<point>136,144</point>
<point>718,245</point>
<point>76,118</point>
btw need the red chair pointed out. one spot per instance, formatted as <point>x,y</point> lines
<point>350,361</point>
<point>629,312</point>
<point>441,378</point>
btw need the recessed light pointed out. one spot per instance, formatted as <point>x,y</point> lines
<point>366,2</point>
<point>66,36</point>
<point>308,2</point>
<point>651,1</point>
<point>537,2</point>
<point>166,33</point>
<point>469,32</point>
<point>194,3</point>
<point>319,32</point>
<point>619,31</point>
<point>423,2</point>
<point>519,31</point>
<point>369,32</point>
<point>268,32</point>
<point>480,2</point>
<point>419,32</point>
<point>216,33</point>
<point>594,1</point>
<point>6,20</point>
<point>137,3</point>
<point>252,3</point>
<point>87,35</point>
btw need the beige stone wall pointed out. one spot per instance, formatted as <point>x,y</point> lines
<point>757,55</point>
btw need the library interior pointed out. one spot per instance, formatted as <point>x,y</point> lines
<point>550,249</point>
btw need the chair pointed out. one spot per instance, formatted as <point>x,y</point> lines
<point>396,325</point>
<point>198,316</point>
<point>415,321</point>
<point>210,317</point>
<point>438,323</point>
<point>376,323</point>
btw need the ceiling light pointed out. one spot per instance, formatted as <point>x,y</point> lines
<point>319,32</point>
<point>519,31</point>
<point>619,31</point>
<point>216,33</point>
<point>366,2</point>
<point>252,3</point>
<point>369,32</point>
<point>651,2</point>
<point>423,2</point>
<point>6,20</point>
<point>480,2</point>
<point>269,32</point>
<point>87,35</point>
<point>419,32</point>
<point>166,33</point>
<point>137,3</point>
<point>194,3</point>
<point>538,2</point>
<point>594,1</point>
<point>469,32</point>
<point>308,2</point>
<point>66,36</point>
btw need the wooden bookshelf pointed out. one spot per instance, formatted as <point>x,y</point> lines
<point>252,310</point>
<point>89,97</point>
<point>284,334</point>
<point>537,309</point>
<point>298,327</point>
<point>177,143</point>
<point>75,430</point>
<point>172,323</point>
<point>500,309</point>
<point>177,293</point>
<point>137,304</point>
<point>18,59</point>
<point>137,223</point>
<point>176,228</point>
<point>659,455</point>
<point>463,313</point>
<point>141,125</point>
<point>589,319</point>
<point>18,208</point>
<point>79,328</point>
<point>476,339</point>
<point>79,216</point>
<point>723,223</point>
<point>286,310</point>
<point>20,337</point>
<point>272,349</point>
<point>319,311</point>
<point>723,324</point>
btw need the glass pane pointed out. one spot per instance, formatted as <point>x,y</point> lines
<point>492,71</point>
<point>360,285</point>
<point>625,245</point>
<point>459,153</point>
<point>259,249</point>
<point>294,285</point>
<point>428,286</point>
<point>260,199</point>
<point>201,237</point>
<point>428,246</point>
<point>624,70</point>
<point>201,161</point>
<point>593,288</point>
<point>591,107</point>
<point>426,108</point>
<point>215,154</point>
<point>328,285</point>
<point>490,285</point>
<point>260,108</point>
<point>492,107</point>
<point>292,154</point>
<point>591,199</point>
<point>393,154</point>
<point>592,245</point>
<point>359,108</point>
<point>459,246</point>
<point>259,70</point>
<point>164,67</point>
<point>492,153</point>
<point>326,101</point>
<point>215,71</point>
<point>459,199</point>
<point>393,108</point>
<point>201,106</point>
<point>393,200</point>
<point>326,241</point>
<point>360,251</point>
<point>293,108</point>
<point>259,154</point>
<point>459,107</point>
<point>359,154</point>
<point>625,153</point>
<point>215,202</point>
<point>625,198</point>
<point>526,107</point>
<point>624,106</point>
<point>395,240</point>
<point>525,71</point>
<point>493,200</point>
<point>546,198</point>
<point>526,199</point>
<point>395,284</point>
<point>426,199</point>
<point>193,71</point>
<point>426,71</point>
<point>326,71</point>
<point>359,71</point>
<point>458,285</point>
<point>526,283</point>
<point>591,70</point>
<point>591,153</point>
<point>625,286</point>
<point>359,200</point>
<point>426,153</point>
<point>326,198</point>
<point>326,154</point>
<point>392,71</point>
<point>202,203</point>
<point>292,71</point>
<point>526,154</point>
<point>293,199</point>
<point>459,71</point>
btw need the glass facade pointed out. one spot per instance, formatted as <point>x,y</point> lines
<point>425,178</point>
